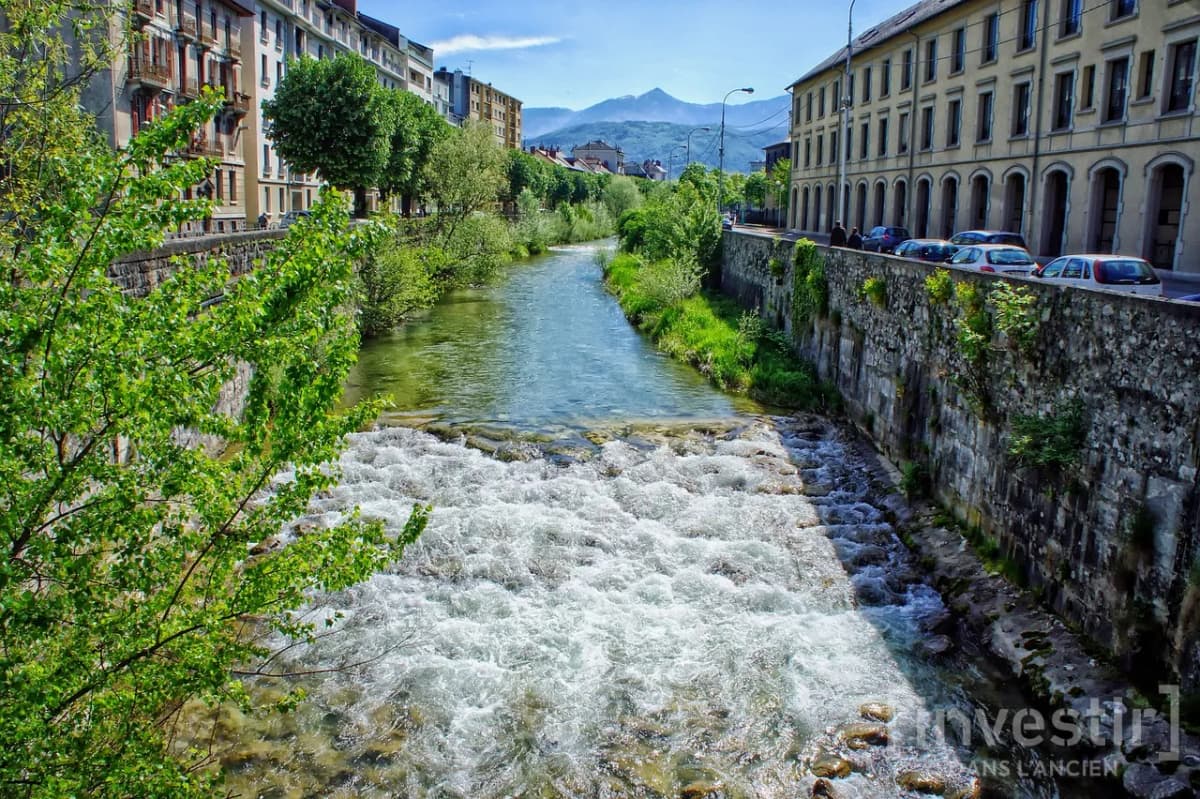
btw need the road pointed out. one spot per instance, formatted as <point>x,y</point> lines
<point>1175,284</point>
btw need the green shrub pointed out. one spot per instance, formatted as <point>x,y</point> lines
<point>874,289</point>
<point>1016,314</point>
<point>914,479</point>
<point>394,281</point>
<point>939,286</point>
<point>1049,441</point>
<point>810,290</point>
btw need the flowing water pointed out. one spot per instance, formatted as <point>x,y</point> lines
<point>631,584</point>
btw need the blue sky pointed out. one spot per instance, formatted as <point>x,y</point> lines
<point>577,53</point>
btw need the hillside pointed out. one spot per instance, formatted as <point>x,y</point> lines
<point>656,140</point>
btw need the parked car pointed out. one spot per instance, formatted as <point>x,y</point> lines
<point>885,239</point>
<point>999,258</point>
<point>937,251</point>
<point>292,217</point>
<point>1113,272</point>
<point>1189,298</point>
<point>966,237</point>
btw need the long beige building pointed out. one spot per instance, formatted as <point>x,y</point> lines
<point>1071,121</point>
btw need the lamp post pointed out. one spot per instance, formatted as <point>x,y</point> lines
<point>846,101</point>
<point>721,150</point>
<point>689,143</point>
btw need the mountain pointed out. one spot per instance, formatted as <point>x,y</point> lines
<point>656,140</point>
<point>650,125</point>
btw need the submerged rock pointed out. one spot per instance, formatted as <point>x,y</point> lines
<point>877,711</point>
<point>1146,782</point>
<point>861,734</point>
<point>823,788</point>
<point>921,781</point>
<point>830,765</point>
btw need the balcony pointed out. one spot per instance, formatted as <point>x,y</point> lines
<point>208,36</point>
<point>185,28</point>
<point>234,48</point>
<point>237,103</point>
<point>202,146</point>
<point>189,89</point>
<point>150,76</point>
<point>143,11</point>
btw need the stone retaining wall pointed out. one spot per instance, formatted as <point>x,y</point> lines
<point>140,272</point>
<point>1110,543</point>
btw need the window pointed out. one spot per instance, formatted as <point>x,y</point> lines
<point>953,123</point>
<point>836,97</point>
<point>266,162</point>
<point>1072,18</point>
<point>1118,88</point>
<point>821,103</point>
<point>1020,126</point>
<point>866,85</point>
<point>864,147</point>
<point>820,149</point>
<point>991,38</point>
<point>958,59</point>
<point>264,33</point>
<point>983,131</point>
<point>931,60</point>
<point>1183,67</point>
<point>906,71</point>
<point>1064,100</point>
<point>220,188</point>
<point>807,153</point>
<point>1027,39</point>
<point>266,79</point>
<point>1088,99</point>
<point>267,200</point>
<point>279,34</point>
<point>903,133</point>
<point>808,111</point>
<point>232,186</point>
<point>279,71</point>
<point>833,150</point>
<point>1122,9</point>
<point>885,78</point>
<point>883,137</point>
<point>849,143</point>
<point>1146,75</point>
<point>850,90</point>
<point>927,128</point>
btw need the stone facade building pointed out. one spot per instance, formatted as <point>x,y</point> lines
<point>612,157</point>
<point>1071,122</point>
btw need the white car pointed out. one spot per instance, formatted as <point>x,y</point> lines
<point>1112,272</point>
<point>1002,259</point>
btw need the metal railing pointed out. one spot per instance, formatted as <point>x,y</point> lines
<point>185,26</point>
<point>144,72</point>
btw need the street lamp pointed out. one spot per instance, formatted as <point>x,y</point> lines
<point>689,142</point>
<point>721,150</point>
<point>846,101</point>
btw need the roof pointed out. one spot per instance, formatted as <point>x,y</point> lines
<point>387,31</point>
<point>907,19</point>
<point>779,145</point>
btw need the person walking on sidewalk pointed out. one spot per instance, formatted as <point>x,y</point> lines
<point>837,236</point>
<point>854,241</point>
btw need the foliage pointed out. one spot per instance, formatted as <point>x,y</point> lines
<point>621,195</point>
<point>474,250</point>
<point>683,222</point>
<point>939,286</point>
<point>527,173</point>
<point>974,324</point>
<point>1049,441</point>
<point>756,189</point>
<point>712,333</point>
<point>331,117</point>
<point>874,289</point>
<point>465,173</point>
<point>779,180</point>
<point>416,128</point>
<point>126,589</point>
<point>915,479</point>
<point>1016,314</point>
<point>810,289</point>
<point>395,280</point>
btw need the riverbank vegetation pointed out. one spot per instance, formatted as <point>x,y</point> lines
<point>669,246</point>
<point>141,570</point>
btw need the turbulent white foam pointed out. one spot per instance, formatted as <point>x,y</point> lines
<point>553,619</point>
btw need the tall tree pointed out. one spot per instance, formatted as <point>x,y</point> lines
<point>755,189</point>
<point>417,128</point>
<point>780,180</point>
<point>331,117</point>
<point>466,174</point>
<point>127,585</point>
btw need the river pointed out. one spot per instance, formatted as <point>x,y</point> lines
<point>631,585</point>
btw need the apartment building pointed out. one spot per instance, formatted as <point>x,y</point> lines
<point>290,29</point>
<point>471,99</point>
<point>1070,121</point>
<point>178,47</point>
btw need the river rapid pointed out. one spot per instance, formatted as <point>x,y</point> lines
<point>631,585</point>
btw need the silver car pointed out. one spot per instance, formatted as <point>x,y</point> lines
<point>1113,272</point>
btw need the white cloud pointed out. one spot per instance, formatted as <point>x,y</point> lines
<point>468,42</point>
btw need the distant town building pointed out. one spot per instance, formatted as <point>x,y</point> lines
<point>654,170</point>
<point>1072,123</point>
<point>758,166</point>
<point>472,99</point>
<point>612,157</point>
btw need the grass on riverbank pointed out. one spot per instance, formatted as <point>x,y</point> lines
<point>734,349</point>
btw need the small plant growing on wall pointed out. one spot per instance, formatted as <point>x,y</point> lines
<point>1016,315</point>
<point>1050,441</point>
<point>810,290</point>
<point>939,287</point>
<point>776,267</point>
<point>974,337</point>
<point>874,289</point>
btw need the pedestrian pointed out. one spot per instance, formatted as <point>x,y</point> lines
<point>263,219</point>
<point>837,236</point>
<point>854,242</point>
